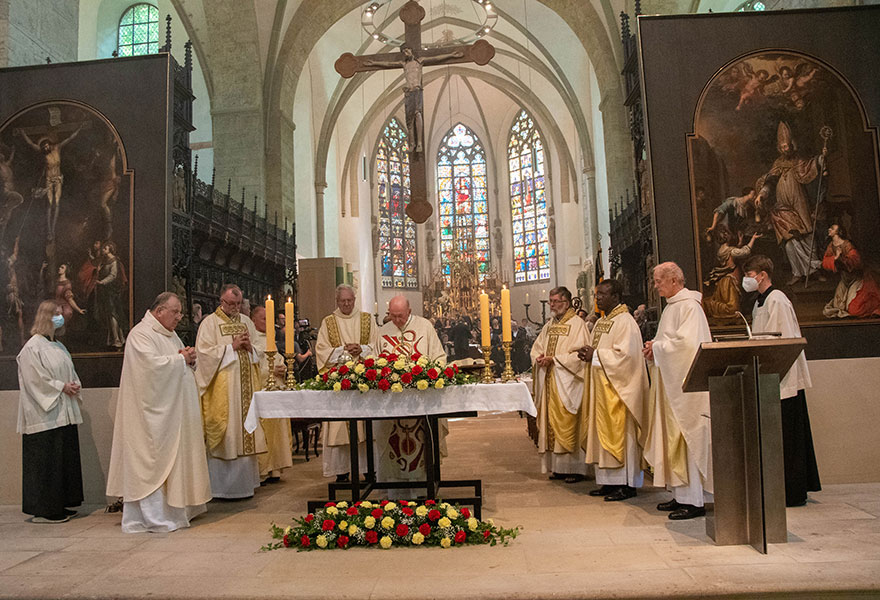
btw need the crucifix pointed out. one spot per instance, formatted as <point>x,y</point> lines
<point>412,57</point>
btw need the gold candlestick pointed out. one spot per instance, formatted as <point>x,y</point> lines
<point>487,371</point>
<point>507,374</point>
<point>270,379</point>
<point>290,382</point>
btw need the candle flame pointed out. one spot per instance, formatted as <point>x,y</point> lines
<point>269,297</point>
<point>288,298</point>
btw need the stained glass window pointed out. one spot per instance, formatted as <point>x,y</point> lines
<point>139,30</point>
<point>464,205</point>
<point>751,5</point>
<point>528,201</point>
<point>397,232</point>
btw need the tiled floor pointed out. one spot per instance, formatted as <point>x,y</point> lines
<point>571,545</point>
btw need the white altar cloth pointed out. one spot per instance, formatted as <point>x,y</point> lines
<point>375,404</point>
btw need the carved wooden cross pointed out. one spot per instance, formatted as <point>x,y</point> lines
<point>411,59</point>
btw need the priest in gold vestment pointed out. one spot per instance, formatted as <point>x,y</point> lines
<point>558,389</point>
<point>400,443</point>
<point>227,373</point>
<point>615,397</point>
<point>679,433</point>
<point>345,334</point>
<point>279,455</point>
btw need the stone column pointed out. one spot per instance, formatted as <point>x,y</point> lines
<point>320,186</point>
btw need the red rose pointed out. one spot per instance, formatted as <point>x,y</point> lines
<point>370,374</point>
<point>372,537</point>
<point>324,377</point>
<point>342,541</point>
<point>309,518</point>
<point>460,536</point>
<point>286,541</point>
<point>304,541</point>
<point>449,372</point>
<point>383,355</point>
<point>433,373</point>
<point>417,370</point>
<point>416,356</point>
<point>383,503</point>
<point>425,529</point>
<point>369,363</point>
<point>465,513</point>
<point>430,503</point>
<point>329,504</point>
<point>392,357</point>
<point>454,366</point>
<point>352,510</point>
<point>486,534</point>
<point>358,503</point>
<point>328,524</point>
<point>406,378</point>
<point>434,514</point>
<point>386,371</point>
<point>407,511</point>
<point>343,369</point>
<point>377,513</point>
<point>402,530</point>
<point>345,384</point>
<point>383,384</point>
<point>332,370</point>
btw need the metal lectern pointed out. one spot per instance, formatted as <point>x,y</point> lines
<point>742,378</point>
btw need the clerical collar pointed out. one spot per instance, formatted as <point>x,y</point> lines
<point>762,297</point>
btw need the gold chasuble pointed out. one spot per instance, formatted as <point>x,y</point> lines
<point>227,380</point>
<point>558,390</point>
<point>615,392</point>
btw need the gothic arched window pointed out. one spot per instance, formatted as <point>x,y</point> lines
<point>138,30</point>
<point>751,5</point>
<point>397,232</point>
<point>464,207</point>
<point>528,201</point>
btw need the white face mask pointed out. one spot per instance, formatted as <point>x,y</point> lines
<point>750,284</point>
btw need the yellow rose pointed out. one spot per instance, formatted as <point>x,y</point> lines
<point>411,503</point>
<point>394,377</point>
<point>343,525</point>
<point>441,363</point>
<point>287,530</point>
<point>422,511</point>
<point>438,385</point>
<point>363,387</point>
<point>399,364</point>
<point>342,504</point>
<point>352,529</point>
<point>422,384</point>
<point>396,387</point>
<point>443,505</point>
<point>390,506</point>
<point>385,542</point>
<point>446,542</point>
<point>367,504</point>
<point>321,541</point>
<point>360,368</point>
<point>338,386</point>
<point>387,523</point>
<point>490,522</point>
<point>452,513</point>
<point>381,362</point>
<point>318,378</point>
<point>334,375</point>
<point>332,510</point>
<point>444,523</point>
<point>422,361</point>
<point>349,364</point>
<point>472,524</point>
<point>417,538</point>
<point>369,522</point>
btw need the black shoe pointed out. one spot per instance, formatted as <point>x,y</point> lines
<point>687,511</point>
<point>272,479</point>
<point>573,478</point>
<point>603,490</point>
<point>342,478</point>
<point>557,476</point>
<point>669,506</point>
<point>623,492</point>
<point>69,512</point>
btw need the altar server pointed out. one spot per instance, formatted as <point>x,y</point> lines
<point>157,462</point>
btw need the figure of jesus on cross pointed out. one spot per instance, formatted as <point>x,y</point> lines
<point>412,58</point>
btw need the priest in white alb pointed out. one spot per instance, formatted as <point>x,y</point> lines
<point>157,462</point>
<point>558,389</point>
<point>616,397</point>
<point>279,454</point>
<point>227,373</point>
<point>678,444</point>
<point>400,443</point>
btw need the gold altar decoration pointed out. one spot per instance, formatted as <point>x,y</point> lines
<point>463,297</point>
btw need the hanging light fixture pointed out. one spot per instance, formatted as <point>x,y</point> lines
<point>487,17</point>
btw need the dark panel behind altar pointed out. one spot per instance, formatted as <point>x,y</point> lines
<point>110,120</point>
<point>680,56</point>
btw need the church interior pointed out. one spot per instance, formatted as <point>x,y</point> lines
<point>232,141</point>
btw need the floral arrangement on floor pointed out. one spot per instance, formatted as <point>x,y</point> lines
<point>387,372</point>
<point>388,524</point>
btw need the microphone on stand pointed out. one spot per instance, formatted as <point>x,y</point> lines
<point>748,329</point>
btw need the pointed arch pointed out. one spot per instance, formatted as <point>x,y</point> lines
<point>397,232</point>
<point>463,201</point>
<point>528,201</point>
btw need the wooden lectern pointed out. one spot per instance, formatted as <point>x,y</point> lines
<point>742,378</point>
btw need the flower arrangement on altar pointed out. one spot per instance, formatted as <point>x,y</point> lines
<point>388,372</point>
<point>388,524</point>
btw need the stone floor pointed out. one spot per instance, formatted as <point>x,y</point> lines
<point>571,545</point>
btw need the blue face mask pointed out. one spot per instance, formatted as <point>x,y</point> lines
<point>58,321</point>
